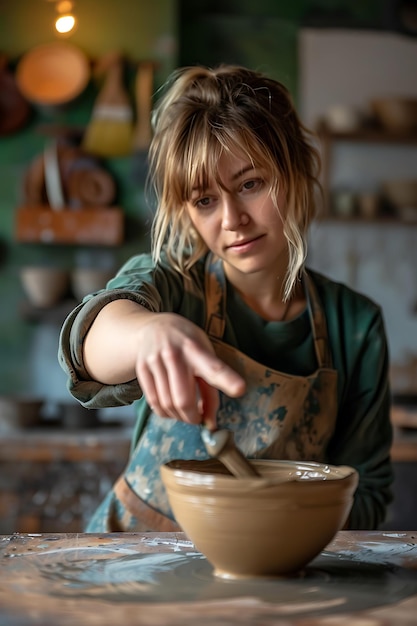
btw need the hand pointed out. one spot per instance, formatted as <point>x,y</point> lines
<point>179,372</point>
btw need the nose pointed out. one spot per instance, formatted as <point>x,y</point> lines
<point>233,216</point>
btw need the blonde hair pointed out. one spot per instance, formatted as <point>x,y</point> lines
<point>204,112</point>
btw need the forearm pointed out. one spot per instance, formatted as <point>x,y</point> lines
<point>171,358</point>
<point>111,345</point>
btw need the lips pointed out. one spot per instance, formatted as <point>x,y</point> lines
<point>241,243</point>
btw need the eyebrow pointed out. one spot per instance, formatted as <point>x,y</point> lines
<point>243,171</point>
<point>235,176</point>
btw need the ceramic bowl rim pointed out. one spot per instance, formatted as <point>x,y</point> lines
<point>342,476</point>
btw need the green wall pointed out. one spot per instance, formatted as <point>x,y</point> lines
<point>143,29</point>
<point>263,34</point>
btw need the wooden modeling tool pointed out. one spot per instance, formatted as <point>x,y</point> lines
<point>220,444</point>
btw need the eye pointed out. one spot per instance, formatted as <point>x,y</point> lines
<point>206,202</point>
<point>253,184</point>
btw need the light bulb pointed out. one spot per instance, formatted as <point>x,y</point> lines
<point>65,23</point>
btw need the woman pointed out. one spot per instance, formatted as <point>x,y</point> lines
<point>223,324</point>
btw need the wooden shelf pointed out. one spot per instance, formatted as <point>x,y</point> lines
<point>358,219</point>
<point>366,135</point>
<point>100,444</point>
<point>87,226</point>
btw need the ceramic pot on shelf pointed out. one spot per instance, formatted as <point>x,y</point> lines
<point>44,286</point>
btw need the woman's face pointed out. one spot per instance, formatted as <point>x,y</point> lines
<point>239,221</point>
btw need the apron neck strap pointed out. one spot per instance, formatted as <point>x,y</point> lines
<point>318,323</point>
<point>215,288</point>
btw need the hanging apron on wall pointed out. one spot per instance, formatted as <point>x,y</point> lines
<point>280,416</point>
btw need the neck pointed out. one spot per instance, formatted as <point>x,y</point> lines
<point>265,296</point>
<point>276,309</point>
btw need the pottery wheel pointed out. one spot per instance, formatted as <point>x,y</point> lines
<point>333,582</point>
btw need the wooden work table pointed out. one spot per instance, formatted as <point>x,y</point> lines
<point>154,579</point>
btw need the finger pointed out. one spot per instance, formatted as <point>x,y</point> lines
<point>183,389</point>
<point>217,373</point>
<point>166,399</point>
<point>175,387</point>
<point>151,389</point>
<point>147,385</point>
<point>208,405</point>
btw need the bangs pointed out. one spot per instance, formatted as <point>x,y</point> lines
<point>196,162</point>
<point>200,166</point>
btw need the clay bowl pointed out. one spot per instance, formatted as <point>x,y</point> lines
<point>74,416</point>
<point>401,193</point>
<point>343,119</point>
<point>17,412</point>
<point>396,114</point>
<point>86,280</point>
<point>402,196</point>
<point>44,286</point>
<point>268,526</point>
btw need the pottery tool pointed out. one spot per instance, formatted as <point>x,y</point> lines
<point>53,181</point>
<point>143,131</point>
<point>220,444</point>
<point>110,130</point>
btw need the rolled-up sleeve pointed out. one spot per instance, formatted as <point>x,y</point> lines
<point>88,392</point>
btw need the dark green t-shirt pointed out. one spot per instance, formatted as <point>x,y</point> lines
<point>363,433</point>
